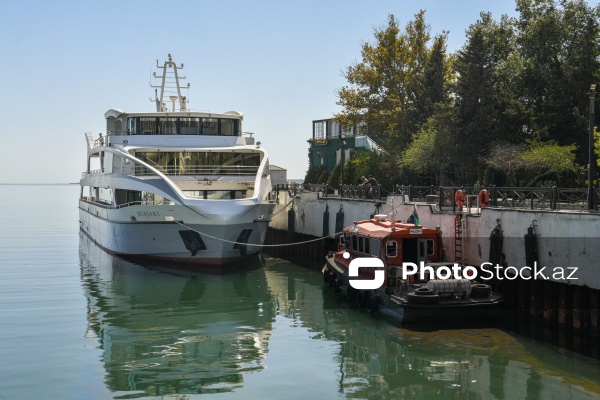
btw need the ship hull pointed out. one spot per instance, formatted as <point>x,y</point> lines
<point>177,234</point>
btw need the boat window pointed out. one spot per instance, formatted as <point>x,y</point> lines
<point>430,247</point>
<point>168,126</point>
<point>367,247</point>
<point>147,126</point>
<point>189,126</point>
<point>421,249</point>
<point>347,240</point>
<point>361,244</point>
<point>354,243</point>
<point>199,163</point>
<point>391,248</point>
<point>375,244</point>
<point>227,127</point>
<point>215,194</point>
<point>183,126</point>
<point>210,126</point>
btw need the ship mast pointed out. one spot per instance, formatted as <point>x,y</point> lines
<point>169,86</point>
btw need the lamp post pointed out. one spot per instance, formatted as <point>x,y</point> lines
<point>592,155</point>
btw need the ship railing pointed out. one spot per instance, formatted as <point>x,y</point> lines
<point>92,172</point>
<point>549,198</point>
<point>145,203</point>
<point>205,170</point>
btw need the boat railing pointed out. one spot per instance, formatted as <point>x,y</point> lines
<point>145,203</point>
<point>93,200</point>
<point>204,170</point>
<point>92,172</point>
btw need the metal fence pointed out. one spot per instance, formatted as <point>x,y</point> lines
<point>539,198</point>
<point>549,198</point>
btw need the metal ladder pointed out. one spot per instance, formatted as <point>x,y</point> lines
<point>458,251</point>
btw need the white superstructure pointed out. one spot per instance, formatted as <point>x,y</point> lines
<point>175,184</point>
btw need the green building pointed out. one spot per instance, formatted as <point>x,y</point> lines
<point>330,144</point>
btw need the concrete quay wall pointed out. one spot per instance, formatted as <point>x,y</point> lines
<point>566,240</point>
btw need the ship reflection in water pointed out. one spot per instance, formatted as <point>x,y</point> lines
<point>272,332</point>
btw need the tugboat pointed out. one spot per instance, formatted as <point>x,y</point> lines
<point>409,258</point>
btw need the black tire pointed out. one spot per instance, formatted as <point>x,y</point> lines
<point>481,291</point>
<point>421,299</point>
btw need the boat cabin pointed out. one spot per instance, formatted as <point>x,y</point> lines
<point>392,242</point>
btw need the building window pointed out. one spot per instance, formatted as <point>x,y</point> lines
<point>319,130</point>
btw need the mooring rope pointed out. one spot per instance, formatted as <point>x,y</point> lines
<point>267,245</point>
<point>253,244</point>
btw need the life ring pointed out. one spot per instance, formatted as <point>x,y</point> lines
<point>484,198</point>
<point>459,198</point>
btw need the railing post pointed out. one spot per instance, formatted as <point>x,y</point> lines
<point>453,202</point>
<point>409,192</point>
<point>441,198</point>
<point>554,198</point>
<point>494,196</point>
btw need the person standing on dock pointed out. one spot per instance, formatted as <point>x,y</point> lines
<point>372,181</point>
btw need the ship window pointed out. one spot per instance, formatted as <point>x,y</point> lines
<point>210,126</point>
<point>227,127</point>
<point>391,248</point>
<point>375,244</point>
<point>147,126</point>
<point>367,243</point>
<point>347,240</point>
<point>361,244</point>
<point>168,126</point>
<point>421,249</point>
<point>354,242</point>
<point>189,126</point>
<point>430,247</point>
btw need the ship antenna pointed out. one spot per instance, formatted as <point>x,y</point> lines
<point>169,86</point>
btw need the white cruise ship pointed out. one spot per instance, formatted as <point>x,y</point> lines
<point>176,185</point>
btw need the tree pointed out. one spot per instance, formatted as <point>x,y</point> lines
<point>385,89</point>
<point>433,148</point>
<point>534,161</point>
<point>482,95</point>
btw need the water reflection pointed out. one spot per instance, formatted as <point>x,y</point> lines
<point>164,331</point>
<point>273,332</point>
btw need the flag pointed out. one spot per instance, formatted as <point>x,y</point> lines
<point>415,216</point>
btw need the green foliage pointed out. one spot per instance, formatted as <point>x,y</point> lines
<point>316,175</point>
<point>513,100</point>
<point>381,166</point>
<point>334,178</point>
<point>388,89</point>
<point>533,161</point>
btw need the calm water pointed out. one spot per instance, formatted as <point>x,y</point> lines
<point>77,323</point>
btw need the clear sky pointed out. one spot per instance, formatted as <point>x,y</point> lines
<point>65,63</point>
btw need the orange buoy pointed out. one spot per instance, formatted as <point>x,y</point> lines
<point>484,198</point>
<point>459,198</point>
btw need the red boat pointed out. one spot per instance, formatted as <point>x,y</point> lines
<point>418,283</point>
